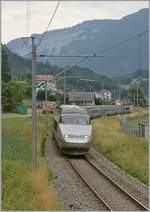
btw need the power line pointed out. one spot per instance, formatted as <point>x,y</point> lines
<point>49,24</point>
<point>93,55</point>
<point>125,41</point>
<point>28,17</point>
<point>27,22</point>
<point>67,68</point>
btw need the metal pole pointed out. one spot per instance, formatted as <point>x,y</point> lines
<point>137,96</point>
<point>102,78</point>
<point>34,121</point>
<point>64,87</point>
<point>46,104</point>
<point>119,93</point>
<point>139,68</point>
<point>102,92</point>
<point>140,55</point>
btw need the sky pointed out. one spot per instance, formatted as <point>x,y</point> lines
<point>16,21</point>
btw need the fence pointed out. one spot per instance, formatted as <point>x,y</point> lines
<point>133,131</point>
<point>142,130</point>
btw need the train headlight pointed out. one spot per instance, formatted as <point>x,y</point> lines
<point>86,136</point>
<point>66,136</point>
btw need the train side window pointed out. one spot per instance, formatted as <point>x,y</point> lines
<point>60,120</point>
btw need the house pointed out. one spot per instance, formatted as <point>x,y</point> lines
<point>82,98</point>
<point>41,79</point>
<point>118,102</point>
<point>51,86</point>
<point>103,94</point>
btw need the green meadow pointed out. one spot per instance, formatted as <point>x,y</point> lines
<point>129,153</point>
<point>22,187</point>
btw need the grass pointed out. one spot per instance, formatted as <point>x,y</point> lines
<point>135,111</point>
<point>134,121</point>
<point>23,188</point>
<point>129,153</point>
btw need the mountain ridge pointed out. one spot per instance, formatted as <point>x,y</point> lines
<point>91,37</point>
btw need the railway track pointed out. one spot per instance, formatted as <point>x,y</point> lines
<point>112,195</point>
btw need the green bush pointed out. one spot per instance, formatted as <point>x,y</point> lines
<point>12,95</point>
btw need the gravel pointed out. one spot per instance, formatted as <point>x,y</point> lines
<point>74,193</point>
<point>129,183</point>
<point>114,197</point>
<point>69,187</point>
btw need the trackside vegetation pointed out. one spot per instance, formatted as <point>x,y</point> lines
<point>23,188</point>
<point>129,153</point>
<point>135,117</point>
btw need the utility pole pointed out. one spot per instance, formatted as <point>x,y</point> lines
<point>34,120</point>
<point>139,40</point>
<point>134,99</point>
<point>119,93</point>
<point>102,92</point>
<point>46,119</point>
<point>64,87</point>
<point>102,78</point>
<point>137,96</point>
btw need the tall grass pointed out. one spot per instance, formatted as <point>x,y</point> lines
<point>23,188</point>
<point>129,153</point>
<point>134,120</point>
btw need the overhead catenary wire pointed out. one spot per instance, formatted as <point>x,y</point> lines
<point>48,24</point>
<point>67,68</point>
<point>93,55</point>
<point>28,18</point>
<point>125,41</point>
<point>27,12</point>
<point>27,22</point>
<point>104,50</point>
<point>24,43</point>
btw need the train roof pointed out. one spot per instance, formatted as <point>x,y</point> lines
<point>73,109</point>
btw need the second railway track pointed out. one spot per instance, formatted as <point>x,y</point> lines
<point>113,196</point>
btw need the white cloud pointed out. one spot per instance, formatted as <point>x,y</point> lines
<point>68,14</point>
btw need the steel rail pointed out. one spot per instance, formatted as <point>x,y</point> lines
<point>91,188</point>
<point>117,185</point>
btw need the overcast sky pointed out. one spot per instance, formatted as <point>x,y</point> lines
<point>14,14</point>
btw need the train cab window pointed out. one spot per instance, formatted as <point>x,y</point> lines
<point>75,119</point>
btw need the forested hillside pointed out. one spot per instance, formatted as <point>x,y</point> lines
<point>20,69</point>
<point>139,77</point>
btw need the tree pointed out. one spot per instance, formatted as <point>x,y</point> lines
<point>60,99</point>
<point>27,87</point>
<point>98,101</point>
<point>41,96</point>
<point>26,76</point>
<point>136,95</point>
<point>12,95</point>
<point>6,75</point>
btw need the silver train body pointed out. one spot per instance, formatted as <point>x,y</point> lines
<point>106,110</point>
<point>73,130</point>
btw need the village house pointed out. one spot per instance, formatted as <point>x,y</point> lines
<point>82,98</point>
<point>103,94</point>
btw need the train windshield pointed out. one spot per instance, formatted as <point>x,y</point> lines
<point>75,119</point>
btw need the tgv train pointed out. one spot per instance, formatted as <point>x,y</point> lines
<point>106,110</point>
<point>73,130</point>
